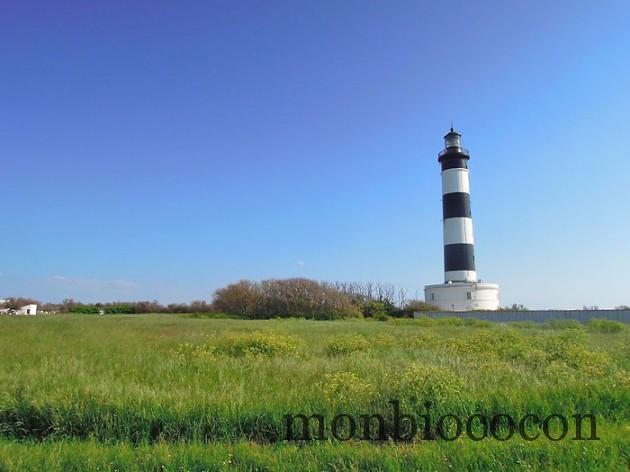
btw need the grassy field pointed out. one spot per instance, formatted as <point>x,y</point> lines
<point>178,392</point>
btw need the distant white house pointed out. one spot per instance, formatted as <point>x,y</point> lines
<point>27,310</point>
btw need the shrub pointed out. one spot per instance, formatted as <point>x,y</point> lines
<point>286,298</point>
<point>384,340</point>
<point>413,306</point>
<point>568,351</point>
<point>621,379</point>
<point>422,383</point>
<point>421,340</point>
<point>241,298</point>
<point>261,344</point>
<point>506,344</point>
<point>373,309</point>
<point>457,347</point>
<point>108,309</point>
<point>188,352</point>
<point>514,307</point>
<point>561,324</point>
<point>85,309</point>
<point>345,388</point>
<point>605,326</point>
<point>347,344</point>
<point>211,316</point>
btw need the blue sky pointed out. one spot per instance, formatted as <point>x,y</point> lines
<point>162,150</point>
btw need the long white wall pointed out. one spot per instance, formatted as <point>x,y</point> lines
<point>537,316</point>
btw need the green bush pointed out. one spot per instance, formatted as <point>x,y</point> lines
<point>347,344</point>
<point>422,383</point>
<point>260,344</point>
<point>188,352</point>
<point>108,309</point>
<point>302,298</point>
<point>85,309</point>
<point>384,340</point>
<point>605,326</point>
<point>373,309</point>
<point>345,388</point>
<point>568,349</point>
<point>211,316</point>
<point>561,324</point>
<point>413,306</point>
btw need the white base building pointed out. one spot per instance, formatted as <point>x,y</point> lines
<point>463,296</point>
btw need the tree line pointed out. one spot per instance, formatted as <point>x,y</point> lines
<point>273,298</point>
<point>69,305</point>
<point>304,298</point>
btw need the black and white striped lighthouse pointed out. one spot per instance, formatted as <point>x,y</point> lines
<point>459,245</point>
<point>461,290</point>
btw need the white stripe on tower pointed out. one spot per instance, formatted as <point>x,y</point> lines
<point>458,231</point>
<point>455,180</point>
<point>460,276</point>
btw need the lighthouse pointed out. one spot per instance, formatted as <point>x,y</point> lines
<point>461,290</point>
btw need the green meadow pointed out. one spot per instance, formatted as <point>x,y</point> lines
<point>186,392</point>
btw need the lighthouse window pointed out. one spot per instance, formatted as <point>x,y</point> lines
<point>468,296</point>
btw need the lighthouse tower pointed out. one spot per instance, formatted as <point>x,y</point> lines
<point>461,290</point>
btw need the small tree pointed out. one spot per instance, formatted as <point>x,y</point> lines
<point>240,298</point>
<point>15,303</point>
<point>418,305</point>
<point>514,307</point>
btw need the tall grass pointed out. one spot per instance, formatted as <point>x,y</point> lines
<point>78,456</point>
<point>155,381</point>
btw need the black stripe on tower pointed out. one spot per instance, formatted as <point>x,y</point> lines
<point>454,158</point>
<point>456,205</point>
<point>459,257</point>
